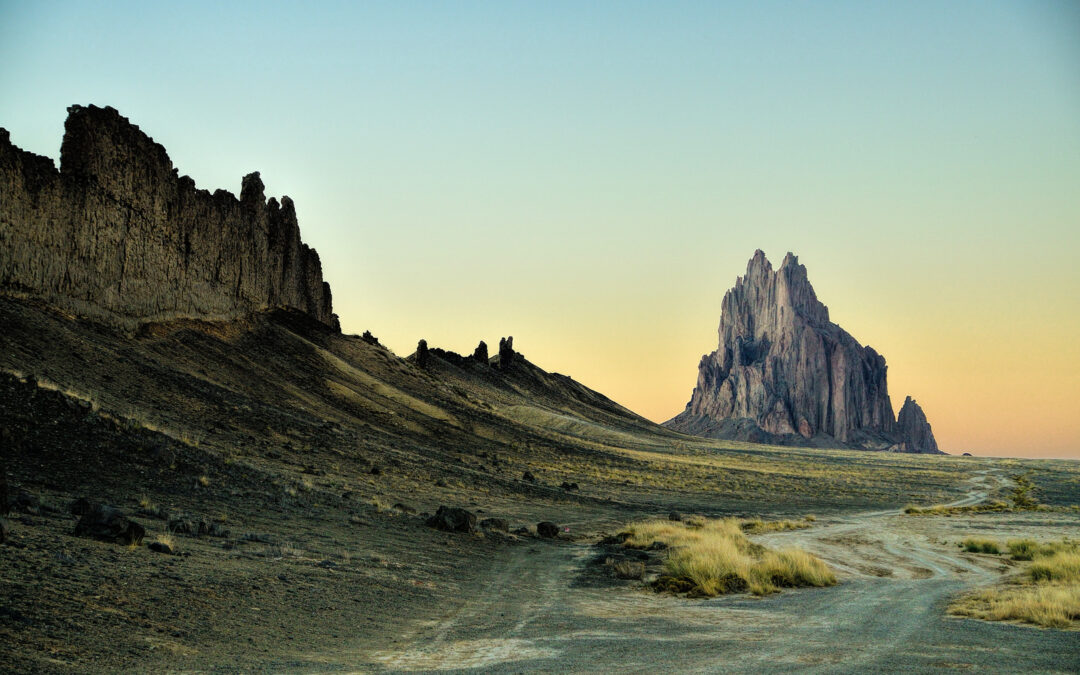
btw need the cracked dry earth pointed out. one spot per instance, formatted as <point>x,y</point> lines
<point>888,614</point>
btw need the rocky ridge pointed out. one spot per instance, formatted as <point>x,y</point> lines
<point>785,373</point>
<point>117,235</point>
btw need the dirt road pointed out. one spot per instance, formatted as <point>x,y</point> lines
<point>887,614</point>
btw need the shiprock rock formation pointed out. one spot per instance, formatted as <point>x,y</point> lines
<point>117,235</point>
<point>784,373</point>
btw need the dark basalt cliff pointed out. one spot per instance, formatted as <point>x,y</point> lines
<point>785,373</point>
<point>118,236</point>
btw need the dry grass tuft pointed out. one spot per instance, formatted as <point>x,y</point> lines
<point>1047,594</point>
<point>758,526</point>
<point>710,557</point>
<point>1046,605</point>
<point>979,545</point>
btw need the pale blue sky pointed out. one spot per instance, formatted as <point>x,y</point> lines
<point>591,179</point>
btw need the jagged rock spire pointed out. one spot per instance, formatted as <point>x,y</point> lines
<point>782,369</point>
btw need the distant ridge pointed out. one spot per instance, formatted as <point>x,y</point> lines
<point>784,373</point>
<point>118,236</point>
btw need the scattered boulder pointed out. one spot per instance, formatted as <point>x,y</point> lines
<point>375,470</point>
<point>404,508</point>
<point>453,519</point>
<point>80,507</point>
<point>159,547</point>
<point>106,523</point>
<point>369,338</point>
<point>3,487</point>
<point>196,527</point>
<point>521,530</point>
<point>24,502</point>
<point>675,516</point>
<point>528,477</point>
<point>547,530</point>
<point>569,486</point>
<point>497,524</point>
<point>5,530</point>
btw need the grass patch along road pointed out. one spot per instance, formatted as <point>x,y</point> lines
<point>1046,594</point>
<point>711,557</point>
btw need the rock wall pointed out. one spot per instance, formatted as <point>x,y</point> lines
<point>783,371</point>
<point>117,235</point>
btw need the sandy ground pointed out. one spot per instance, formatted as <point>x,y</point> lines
<point>888,614</point>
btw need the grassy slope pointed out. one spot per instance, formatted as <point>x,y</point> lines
<point>308,440</point>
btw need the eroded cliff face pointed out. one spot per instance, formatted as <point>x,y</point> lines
<point>117,235</point>
<point>783,371</point>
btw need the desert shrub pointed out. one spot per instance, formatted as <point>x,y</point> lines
<point>1050,606</point>
<point>758,526</point>
<point>713,557</point>
<point>630,569</point>
<point>978,545</point>
<point>1061,566</point>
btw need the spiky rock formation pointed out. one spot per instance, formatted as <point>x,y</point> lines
<point>480,355</point>
<point>912,427</point>
<point>784,372</point>
<point>117,235</point>
<point>422,354</point>
<point>506,352</point>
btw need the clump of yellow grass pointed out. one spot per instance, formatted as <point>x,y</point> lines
<point>1047,593</point>
<point>710,557</point>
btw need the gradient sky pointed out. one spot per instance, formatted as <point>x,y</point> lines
<point>590,178</point>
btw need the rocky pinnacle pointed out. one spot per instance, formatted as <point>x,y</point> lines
<point>783,372</point>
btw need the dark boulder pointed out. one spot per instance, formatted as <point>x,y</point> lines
<point>80,507</point>
<point>569,486</point>
<point>497,524</point>
<point>106,523</point>
<point>160,548</point>
<point>453,519</point>
<point>404,508</point>
<point>196,527</point>
<point>675,516</point>
<point>24,502</point>
<point>3,491</point>
<point>5,530</point>
<point>547,530</point>
<point>528,477</point>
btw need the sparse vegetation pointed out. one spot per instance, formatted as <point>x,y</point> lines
<point>758,526</point>
<point>979,545</point>
<point>942,510</point>
<point>710,557</point>
<point>1046,594</point>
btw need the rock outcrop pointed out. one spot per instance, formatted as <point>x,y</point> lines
<point>117,235</point>
<point>913,429</point>
<point>785,373</point>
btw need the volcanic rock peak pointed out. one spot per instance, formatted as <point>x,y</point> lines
<point>782,368</point>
